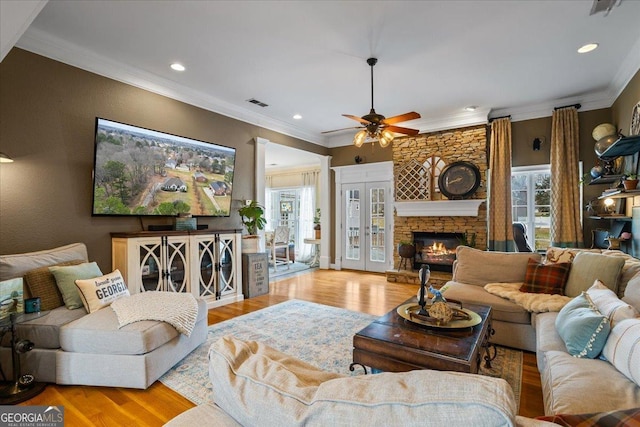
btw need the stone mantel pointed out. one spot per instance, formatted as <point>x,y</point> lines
<point>467,207</point>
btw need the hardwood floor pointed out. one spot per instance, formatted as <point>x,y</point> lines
<point>357,291</point>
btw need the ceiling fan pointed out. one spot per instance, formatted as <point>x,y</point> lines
<point>377,126</point>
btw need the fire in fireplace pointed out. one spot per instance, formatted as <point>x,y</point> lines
<point>436,249</point>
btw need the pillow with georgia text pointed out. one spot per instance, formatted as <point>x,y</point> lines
<point>100,292</point>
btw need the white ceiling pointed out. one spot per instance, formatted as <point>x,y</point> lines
<point>309,57</point>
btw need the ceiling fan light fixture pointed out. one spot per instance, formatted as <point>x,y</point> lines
<point>358,140</point>
<point>386,136</point>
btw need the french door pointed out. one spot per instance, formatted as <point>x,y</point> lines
<point>364,226</point>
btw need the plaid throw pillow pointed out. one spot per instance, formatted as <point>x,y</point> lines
<point>622,418</point>
<point>545,278</point>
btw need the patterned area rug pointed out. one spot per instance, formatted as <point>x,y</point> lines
<point>282,271</point>
<point>321,335</point>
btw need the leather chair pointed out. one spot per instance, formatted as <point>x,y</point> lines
<point>280,241</point>
<point>520,237</point>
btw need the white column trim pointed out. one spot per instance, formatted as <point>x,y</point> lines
<point>325,206</point>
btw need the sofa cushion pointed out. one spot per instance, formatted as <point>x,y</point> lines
<point>588,267</point>
<point>476,267</point>
<point>17,264</point>
<point>579,386</point>
<point>547,338</point>
<point>582,327</point>
<point>621,418</point>
<point>545,278</point>
<point>502,308</point>
<point>66,277</point>
<point>100,292</point>
<point>257,385</point>
<point>42,283</point>
<point>609,304</point>
<point>99,332</point>
<point>44,331</point>
<point>630,268</point>
<point>622,348</point>
<point>632,292</point>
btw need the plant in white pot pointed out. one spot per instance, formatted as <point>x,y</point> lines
<point>252,215</point>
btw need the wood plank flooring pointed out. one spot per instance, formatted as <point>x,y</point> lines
<point>357,291</point>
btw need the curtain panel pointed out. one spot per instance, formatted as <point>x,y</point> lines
<point>499,213</point>
<point>566,229</point>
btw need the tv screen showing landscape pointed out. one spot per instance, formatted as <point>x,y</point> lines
<point>139,172</point>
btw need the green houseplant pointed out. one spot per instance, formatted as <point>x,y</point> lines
<point>253,219</point>
<point>316,221</point>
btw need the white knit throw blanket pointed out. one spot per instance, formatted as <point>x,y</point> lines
<point>180,310</point>
<point>536,303</point>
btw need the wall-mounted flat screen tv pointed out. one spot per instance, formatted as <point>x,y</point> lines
<point>140,172</point>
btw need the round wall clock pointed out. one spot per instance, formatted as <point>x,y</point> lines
<point>459,180</point>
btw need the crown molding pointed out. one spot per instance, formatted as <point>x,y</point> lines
<point>626,70</point>
<point>44,44</point>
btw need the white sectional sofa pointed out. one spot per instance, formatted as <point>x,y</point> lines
<point>73,347</point>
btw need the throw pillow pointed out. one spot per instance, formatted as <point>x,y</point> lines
<point>620,418</point>
<point>100,292</point>
<point>582,327</point>
<point>41,283</point>
<point>632,292</point>
<point>545,279</point>
<point>555,255</point>
<point>65,280</point>
<point>588,267</point>
<point>608,303</point>
<point>11,297</point>
<point>622,348</point>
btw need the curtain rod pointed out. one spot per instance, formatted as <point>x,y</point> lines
<point>567,106</point>
<point>501,117</point>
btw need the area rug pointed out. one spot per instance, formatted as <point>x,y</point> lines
<point>318,334</point>
<point>294,268</point>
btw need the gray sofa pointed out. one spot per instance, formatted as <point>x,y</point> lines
<point>73,347</point>
<point>570,385</point>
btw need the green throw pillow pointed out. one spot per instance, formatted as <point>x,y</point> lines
<point>586,268</point>
<point>582,327</point>
<point>66,277</point>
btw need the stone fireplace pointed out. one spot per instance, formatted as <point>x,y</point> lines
<point>438,250</point>
<point>441,216</point>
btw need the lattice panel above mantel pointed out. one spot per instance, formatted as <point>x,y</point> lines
<point>413,182</point>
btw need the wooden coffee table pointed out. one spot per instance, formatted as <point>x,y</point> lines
<point>393,344</point>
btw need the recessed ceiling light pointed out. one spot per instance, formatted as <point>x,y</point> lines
<point>588,47</point>
<point>471,108</point>
<point>297,116</point>
<point>177,67</point>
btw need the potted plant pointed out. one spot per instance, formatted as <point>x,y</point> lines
<point>252,215</point>
<point>316,221</point>
<point>630,181</point>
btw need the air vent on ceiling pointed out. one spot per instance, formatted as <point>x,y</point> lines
<point>255,101</point>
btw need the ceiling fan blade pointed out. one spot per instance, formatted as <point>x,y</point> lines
<point>338,130</point>
<point>401,118</point>
<point>356,118</point>
<point>406,131</point>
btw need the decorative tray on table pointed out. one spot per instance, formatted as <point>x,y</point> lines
<point>462,317</point>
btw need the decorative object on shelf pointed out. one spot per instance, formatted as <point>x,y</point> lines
<point>596,171</point>
<point>252,215</point>
<point>634,129</point>
<point>630,181</point>
<point>603,130</point>
<point>459,180</point>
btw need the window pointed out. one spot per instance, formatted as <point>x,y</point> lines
<point>531,202</point>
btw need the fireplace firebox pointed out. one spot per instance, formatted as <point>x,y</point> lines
<point>438,249</point>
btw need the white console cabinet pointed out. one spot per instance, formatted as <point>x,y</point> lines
<point>206,263</point>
